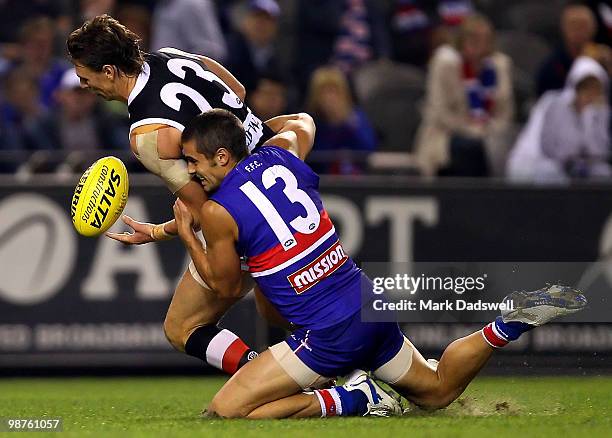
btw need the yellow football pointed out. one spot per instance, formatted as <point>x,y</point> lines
<point>99,197</point>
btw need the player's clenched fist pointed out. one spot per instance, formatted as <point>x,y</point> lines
<point>184,219</point>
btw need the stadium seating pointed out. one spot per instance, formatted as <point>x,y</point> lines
<point>527,52</point>
<point>541,18</point>
<point>393,106</point>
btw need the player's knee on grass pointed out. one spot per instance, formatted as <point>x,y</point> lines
<point>437,399</point>
<point>224,408</point>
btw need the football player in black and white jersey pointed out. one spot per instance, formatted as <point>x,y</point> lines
<point>164,91</point>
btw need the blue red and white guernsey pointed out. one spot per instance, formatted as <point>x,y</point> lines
<point>290,243</point>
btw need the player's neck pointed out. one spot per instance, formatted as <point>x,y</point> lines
<point>232,166</point>
<point>126,88</point>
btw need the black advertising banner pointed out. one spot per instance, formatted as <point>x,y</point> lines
<point>66,300</point>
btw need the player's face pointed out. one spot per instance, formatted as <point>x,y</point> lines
<point>97,82</point>
<point>210,172</point>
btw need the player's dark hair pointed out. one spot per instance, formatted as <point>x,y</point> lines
<point>214,129</point>
<point>104,41</point>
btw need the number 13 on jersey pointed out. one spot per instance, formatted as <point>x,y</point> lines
<point>304,225</point>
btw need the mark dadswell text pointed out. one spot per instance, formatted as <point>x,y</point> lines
<point>447,305</point>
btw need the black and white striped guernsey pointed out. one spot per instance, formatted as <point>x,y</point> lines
<point>175,86</point>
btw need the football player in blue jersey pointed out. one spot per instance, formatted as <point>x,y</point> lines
<point>266,207</point>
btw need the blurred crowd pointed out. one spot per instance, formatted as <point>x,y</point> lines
<point>471,88</point>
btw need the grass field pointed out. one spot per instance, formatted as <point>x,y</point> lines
<point>491,407</point>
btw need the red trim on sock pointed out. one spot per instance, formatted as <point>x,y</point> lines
<point>232,356</point>
<point>492,338</point>
<point>330,404</point>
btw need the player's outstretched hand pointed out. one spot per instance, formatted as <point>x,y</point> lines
<point>140,235</point>
<point>184,219</point>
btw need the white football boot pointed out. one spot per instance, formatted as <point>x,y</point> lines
<point>380,403</point>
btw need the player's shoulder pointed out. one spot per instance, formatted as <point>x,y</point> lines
<point>276,151</point>
<point>154,58</point>
<point>159,58</point>
<point>262,157</point>
<point>286,141</point>
<point>172,52</point>
<point>270,155</point>
<point>215,216</point>
<point>212,210</point>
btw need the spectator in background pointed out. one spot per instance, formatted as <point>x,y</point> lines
<point>36,57</point>
<point>469,106</point>
<point>346,33</point>
<point>189,25</point>
<point>578,28</point>
<point>138,19</point>
<point>77,123</point>
<point>252,49</point>
<point>454,12</point>
<point>411,27</point>
<point>269,98</point>
<point>80,124</point>
<point>417,27</point>
<point>22,115</point>
<point>341,126</point>
<point>14,13</point>
<point>225,12</point>
<point>602,10</point>
<point>93,8</point>
<point>451,14</point>
<point>567,135</point>
<point>353,45</point>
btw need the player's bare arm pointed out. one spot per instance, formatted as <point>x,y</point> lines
<point>166,141</point>
<point>218,264</point>
<point>295,132</point>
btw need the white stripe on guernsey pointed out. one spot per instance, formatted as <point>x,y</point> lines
<point>336,397</point>
<point>141,81</point>
<point>218,346</point>
<point>157,121</point>
<point>296,258</point>
<point>174,51</point>
<point>322,403</point>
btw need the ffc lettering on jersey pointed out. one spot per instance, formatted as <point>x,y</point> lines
<point>320,268</point>
<point>289,240</point>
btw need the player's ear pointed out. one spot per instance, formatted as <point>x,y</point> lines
<point>110,71</point>
<point>222,157</point>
